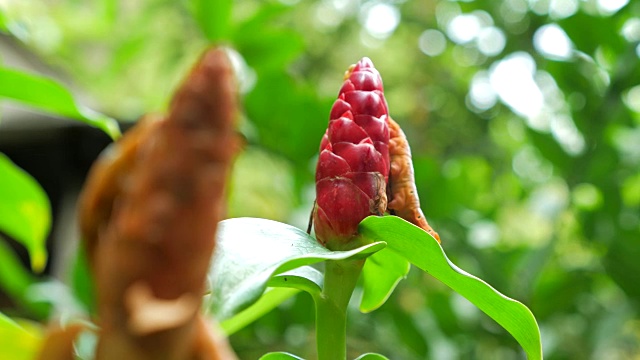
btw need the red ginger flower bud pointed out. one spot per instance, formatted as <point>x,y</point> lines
<point>353,168</point>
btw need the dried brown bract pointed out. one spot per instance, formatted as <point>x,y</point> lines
<point>149,213</point>
<point>403,199</point>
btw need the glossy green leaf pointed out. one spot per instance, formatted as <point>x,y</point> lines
<point>271,298</point>
<point>381,273</point>
<point>25,212</point>
<point>213,17</point>
<point>47,95</point>
<point>281,288</point>
<point>371,356</point>
<point>14,278</point>
<point>423,251</point>
<point>15,281</point>
<point>250,251</point>
<point>279,356</point>
<point>304,278</point>
<point>17,342</point>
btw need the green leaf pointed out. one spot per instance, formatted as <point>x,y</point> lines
<point>81,281</point>
<point>213,17</point>
<point>271,298</point>
<point>303,278</point>
<point>15,281</point>
<point>16,342</point>
<point>281,288</point>
<point>371,356</point>
<point>3,22</point>
<point>25,212</point>
<point>48,95</point>
<point>381,273</point>
<point>280,356</point>
<point>424,251</point>
<point>250,251</point>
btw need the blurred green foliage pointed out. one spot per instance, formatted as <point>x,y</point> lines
<point>524,121</point>
<point>19,341</point>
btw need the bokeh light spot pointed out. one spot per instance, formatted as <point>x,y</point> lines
<point>586,196</point>
<point>491,41</point>
<point>481,94</point>
<point>564,130</point>
<point>552,42</point>
<point>627,142</point>
<point>631,29</point>
<point>528,164</point>
<point>463,28</point>
<point>512,79</point>
<point>327,15</point>
<point>609,7</point>
<point>549,199</point>
<point>631,98</point>
<point>445,12</point>
<point>560,9</point>
<point>432,42</point>
<point>380,20</point>
<point>483,234</point>
<point>513,11</point>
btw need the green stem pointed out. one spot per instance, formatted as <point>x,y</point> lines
<point>331,308</point>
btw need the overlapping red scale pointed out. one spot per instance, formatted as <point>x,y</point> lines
<point>331,165</point>
<point>346,130</point>
<point>361,157</point>
<point>353,166</point>
<point>346,206</point>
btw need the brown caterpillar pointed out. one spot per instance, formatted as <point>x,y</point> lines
<point>403,195</point>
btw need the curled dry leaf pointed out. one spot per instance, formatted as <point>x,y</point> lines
<point>404,201</point>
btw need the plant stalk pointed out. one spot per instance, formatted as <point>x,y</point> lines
<point>331,308</point>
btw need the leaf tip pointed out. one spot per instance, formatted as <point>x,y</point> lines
<point>38,260</point>
<point>113,129</point>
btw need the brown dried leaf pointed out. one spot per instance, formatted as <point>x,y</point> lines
<point>58,344</point>
<point>149,214</point>
<point>404,201</point>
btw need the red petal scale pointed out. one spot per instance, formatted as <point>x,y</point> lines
<point>353,167</point>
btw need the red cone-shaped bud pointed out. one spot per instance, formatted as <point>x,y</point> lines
<point>353,167</point>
